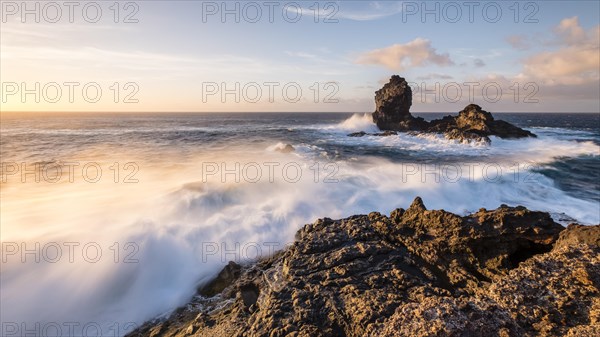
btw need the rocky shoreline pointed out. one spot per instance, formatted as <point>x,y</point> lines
<point>417,272</point>
<point>392,114</point>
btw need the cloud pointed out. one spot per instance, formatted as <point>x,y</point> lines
<point>570,31</point>
<point>478,63</point>
<point>564,65</point>
<point>355,11</point>
<point>575,61</point>
<point>434,76</point>
<point>518,42</point>
<point>565,75</point>
<point>301,55</point>
<point>416,53</point>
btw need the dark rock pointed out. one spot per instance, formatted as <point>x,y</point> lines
<point>226,277</point>
<point>417,206</point>
<point>418,272</point>
<point>466,136</point>
<point>249,294</point>
<point>379,134</point>
<point>392,107</point>
<point>504,129</point>
<point>473,119</point>
<point>393,103</point>
<point>386,133</point>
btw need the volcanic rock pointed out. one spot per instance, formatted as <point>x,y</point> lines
<point>392,112</point>
<point>386,133</point>
<point>230,273</point>
<point>392,104</point>
<point>418,272</point>
<point>579,234</point>
<point>378,134</point>
<point>474,123</point>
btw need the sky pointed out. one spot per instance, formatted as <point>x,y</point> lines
<point>296,56</point>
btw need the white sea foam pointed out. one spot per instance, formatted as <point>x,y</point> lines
<point>177,215</point>
<point>545,148</point>
<point>355,123</point>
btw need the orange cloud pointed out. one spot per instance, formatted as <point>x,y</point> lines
<point>576,61</point>
<point>416,53</point>
<point>570,31</point>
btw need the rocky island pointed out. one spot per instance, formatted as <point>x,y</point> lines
<point>392,113</point>
<point>417,272</point>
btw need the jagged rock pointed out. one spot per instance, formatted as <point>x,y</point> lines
<point>474,119</point>
<point>579,234</point>
<point>474,123</point>
<point>393,103</point>
<point>466,137</point>
<point>553,294</point>
<point>378,134</point>
<point>392,107</point>
<point>418,272</point>
<point>230,273</point>
<point>450,316</point>
<point>386,133</point>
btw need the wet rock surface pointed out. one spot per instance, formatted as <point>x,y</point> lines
<point>418,272</point>
<point>392,113</point>
<point>378,134</point>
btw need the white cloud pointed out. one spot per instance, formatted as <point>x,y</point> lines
<point>334,11</point>
<point>303,55</point>
<point>576,61</point>
<point>567,65</point>
<point>434,76</point>
<point>570,31</point>
<point>416,53</point>
<point>519,42</point>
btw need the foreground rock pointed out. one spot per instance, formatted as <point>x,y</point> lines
<point>393,103</point>
<point>417,272</point>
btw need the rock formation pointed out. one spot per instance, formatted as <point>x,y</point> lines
<point>379,134</point>
<point>392,112</point>
<point>417,272</point>
<point>474,123</point>
<point>393,103</point>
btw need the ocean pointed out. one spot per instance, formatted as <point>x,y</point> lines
<point>109,220</point>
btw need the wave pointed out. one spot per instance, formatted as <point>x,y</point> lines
<point>543,149</point>
<point>355,123</point>
<point>186,219</point>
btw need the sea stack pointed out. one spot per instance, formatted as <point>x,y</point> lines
<point>392,113</point>
<point>393,103</point>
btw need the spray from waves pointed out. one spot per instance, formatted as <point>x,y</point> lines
<point>543,149</point>
<point>190,219</point>
<point>355,123</point>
